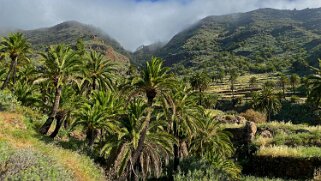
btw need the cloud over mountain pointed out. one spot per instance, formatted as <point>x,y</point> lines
<point>131,22</point>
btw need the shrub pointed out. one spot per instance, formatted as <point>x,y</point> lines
<point>295,99</point>
<point>199,169</point>
<point>27,164</point>
<point>8,101</point>
<point>254,116</point>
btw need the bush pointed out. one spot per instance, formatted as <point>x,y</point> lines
<point>295,99</point>
<point>27,164</point>
<point>254,116</point>
<point>193,168</point>
<point>8,101</point>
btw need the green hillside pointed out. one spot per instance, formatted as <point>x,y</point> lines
<point>259,41</point>
<point>27,155</point>
<point>69,32</point>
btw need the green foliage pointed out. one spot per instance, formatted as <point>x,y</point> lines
<point>200,169</point>
<point>260,41</point>
<point>266,101</point>
<point>33,166</point>
<point>8,102</point>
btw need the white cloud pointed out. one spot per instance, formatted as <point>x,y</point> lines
<point>130,22</point>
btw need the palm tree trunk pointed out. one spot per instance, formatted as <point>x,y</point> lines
<point>58,126</point>
<point>176,149</point>
<point>14,72</point>
<point>91,136</point>
<point>60,118</point>
<point>94,84</point>
<point>45,127</point>
<point>137,152</point>
<point>6,82</point>
<point>200,101</point>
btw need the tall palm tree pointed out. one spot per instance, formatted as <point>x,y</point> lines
<point>200,82</point>
<point>16,47</point>
<point>59,67</point>
<point>97,72</point>
<point>283,81</point>
<point>154,81</point>
<point>119,148</point>
<point>183,115</point>
<point>252,82</point>
<point>266,101</point>
<point>294,80</point>
<point>233,78</point>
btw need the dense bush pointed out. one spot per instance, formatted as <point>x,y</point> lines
<point>200,169</point>
<point>7,101</point>
<point>254,116</point>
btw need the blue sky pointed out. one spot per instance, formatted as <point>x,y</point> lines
<point>131,22</point>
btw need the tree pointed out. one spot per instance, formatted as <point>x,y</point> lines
<point>97,72</point>
<point>59,67</point>
<point>120,147</point>
<point>200,82</point>
<point>17,48</point>
<point>99,112</point>
<point>266,101</point>
<point>233,78</point>
<point>314,86</point>
<point>252,82</point>
<point>294,81</point>
<point>283,81</point>
<point>154,80</point>
<point>213,144</point>
<point>183,116</point>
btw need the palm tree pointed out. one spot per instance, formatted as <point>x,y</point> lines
<point>266,101</point>
<point>59,67</point>
<point>183,115</point>
<point>200,82</point>
<point>16,47</point>
<point>252,82</point>
<point>283,81</point>
<point>97,72</point>
<point>294,80</point>
<point>154,81</point>
<point>213,144</point>
<point>233,78</point>
<point>100,112</point>
<point>119,147</point>
<point>314,86</point>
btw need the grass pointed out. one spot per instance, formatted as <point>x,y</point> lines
<point>285,151</point>
<point>252,178</point>
<point>18,135</point>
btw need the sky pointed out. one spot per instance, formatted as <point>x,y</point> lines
<point>131,22</point>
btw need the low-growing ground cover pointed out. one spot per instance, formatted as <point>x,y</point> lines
<point>25,155</point>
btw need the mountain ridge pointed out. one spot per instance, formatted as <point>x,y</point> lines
<point>256,41</point>
<point>69,32</point>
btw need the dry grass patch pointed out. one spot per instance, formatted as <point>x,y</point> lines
<point>285,151</point>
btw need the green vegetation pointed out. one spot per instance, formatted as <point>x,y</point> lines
<point>137,126</point>
<point>260,41</point>
<point>70,111</point>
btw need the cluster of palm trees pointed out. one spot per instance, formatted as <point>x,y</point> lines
<point>141,124</point>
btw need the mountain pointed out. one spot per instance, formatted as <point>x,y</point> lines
<point>144,52</point>
<point>258,41</point>
<point>69,32</point>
